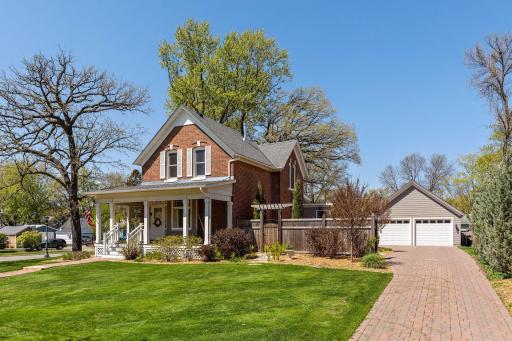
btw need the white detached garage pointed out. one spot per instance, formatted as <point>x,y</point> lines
<point>418,217</point>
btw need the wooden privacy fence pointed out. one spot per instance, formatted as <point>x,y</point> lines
<point>292,231</point>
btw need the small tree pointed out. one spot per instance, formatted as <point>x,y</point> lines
<point>353,207</point>
<point>492,218</point>
<point>3,241</point>
<point>297,200</point>
<point>29,240</point>
<point>259,199</point>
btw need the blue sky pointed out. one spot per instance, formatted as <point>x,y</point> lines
<point>393,69</point>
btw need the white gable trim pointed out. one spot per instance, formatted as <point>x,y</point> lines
<point>300,158</point>
<point>180,117</point>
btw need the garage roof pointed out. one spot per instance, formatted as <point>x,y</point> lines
<point>418,187</point>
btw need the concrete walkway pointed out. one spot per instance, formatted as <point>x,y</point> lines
<point>437,293</point>
<point>27,257</point>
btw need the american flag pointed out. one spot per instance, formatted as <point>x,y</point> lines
<point>88,217</point>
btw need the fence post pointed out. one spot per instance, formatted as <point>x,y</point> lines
<point>262,231</point>
<point>324,221</point>
<point>375,233</point>
<point>279,227</point>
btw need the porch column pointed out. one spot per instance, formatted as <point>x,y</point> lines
<point>112,215</point>
<point>98,222</point>
<point>207,220</point>
<point>146,222</point>
<point>230,213</point>
<point>127,222</point>
<point>185,218</point>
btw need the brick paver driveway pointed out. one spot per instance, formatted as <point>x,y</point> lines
<point>437,293</point>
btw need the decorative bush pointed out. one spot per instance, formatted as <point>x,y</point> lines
<point>274,250</point>
<point>154,255</point>
<point>3,241</point>
<point>29,240</point>
<point>209,253</point>
<point>373,260</point>
<point>172,248</point>
<point>324,242</point>
<point>77,255</point>
<point>130,251</point>
<point>232,243</point>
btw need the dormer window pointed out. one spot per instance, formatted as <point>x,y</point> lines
<point>199,162</point>
<point>172,170</point>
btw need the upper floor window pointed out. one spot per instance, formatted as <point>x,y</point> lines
<point>172,170</point>
<point>292,175</point>
<point>199,162</point>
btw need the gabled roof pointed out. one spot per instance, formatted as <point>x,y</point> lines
<point>66,227</point>
<point>14,230</point>
<point>418,187</point>
<point>272,155</point>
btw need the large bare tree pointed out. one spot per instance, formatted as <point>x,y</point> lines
<point>492,67</point>
<point>437,173</point>
<point>390,178</point>
<point>55,120</point>
<point>412,167</point>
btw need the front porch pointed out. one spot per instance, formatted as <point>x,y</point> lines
<point>147,214</point>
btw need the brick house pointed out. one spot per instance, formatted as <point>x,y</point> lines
<point>198,176</point>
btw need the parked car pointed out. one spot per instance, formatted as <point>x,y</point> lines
<point>87,240</point>
<point>58,244</point>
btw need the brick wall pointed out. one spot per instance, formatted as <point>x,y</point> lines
<point>285,194</point>
<point>182,138</point>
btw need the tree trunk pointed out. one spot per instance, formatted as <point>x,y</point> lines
<point>76,228</point>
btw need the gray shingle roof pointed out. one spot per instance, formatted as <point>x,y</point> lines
<point>235,141</point>
<point>13,230</point>
<point>66,227</point>
<point>278,152</point>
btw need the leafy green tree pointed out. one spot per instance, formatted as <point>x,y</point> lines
<point>3,241</point>
<point>297,200</point>
<point>135,178</point>
<point>227,79</point>
<point>492,218</point>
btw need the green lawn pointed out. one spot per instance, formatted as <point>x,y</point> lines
<point>113,301</point>
<point>19,264</point>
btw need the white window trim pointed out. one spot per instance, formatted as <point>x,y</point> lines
<point>194,175</point>
<point>292,174</point>
<point>168,165</point>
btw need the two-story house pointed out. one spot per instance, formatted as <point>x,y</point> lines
<point>198,176</point>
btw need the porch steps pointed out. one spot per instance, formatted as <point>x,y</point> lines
<point>113,255</point>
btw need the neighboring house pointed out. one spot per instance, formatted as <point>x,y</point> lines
<point>199,176</point>
<point>64,232</point>
<point>42,229</point>
<point>316,210</point>
<point>418,217</point>
<point>12,233</point>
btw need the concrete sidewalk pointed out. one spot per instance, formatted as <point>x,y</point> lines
<point>27,257</point>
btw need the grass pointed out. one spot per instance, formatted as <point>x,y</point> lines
<point>113,301</point>
<point>19,264</point>
<point>501,282</point>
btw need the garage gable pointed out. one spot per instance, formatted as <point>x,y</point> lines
<point>412,200</point>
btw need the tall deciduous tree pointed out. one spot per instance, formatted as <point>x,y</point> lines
<point>412,167</point>
<point>390,178</point>
<point>437,173</point>
<point>227,79</point>
<point>492,67</point>
<point>55,121</point>
<point>306,115</point>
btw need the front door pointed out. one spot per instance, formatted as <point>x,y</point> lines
<point>157,226</point>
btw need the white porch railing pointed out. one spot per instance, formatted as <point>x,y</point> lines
<point>110,239</point>
<point>136,235</point>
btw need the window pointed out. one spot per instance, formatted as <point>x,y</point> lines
<point>199,162</point>
<point>292,175</point>
<point>321,213</point>
<point>172,171</point>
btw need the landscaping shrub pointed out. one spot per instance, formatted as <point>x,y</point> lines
<point>29,240</point>
<point>130,251</point>
<point>232,243</point>
<point>324,242</point>
<point>154,255</point>
<point>3,241</point>
<point>172,248</point>
<point>492,219</point>
<point>209,253</point>
<point>373,260</point>
<point>77,255</point>
<point>359,242</point>
<point>274,250</point>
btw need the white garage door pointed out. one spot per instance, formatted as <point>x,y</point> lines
<point>397,232</point>
<point>436,232</point>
